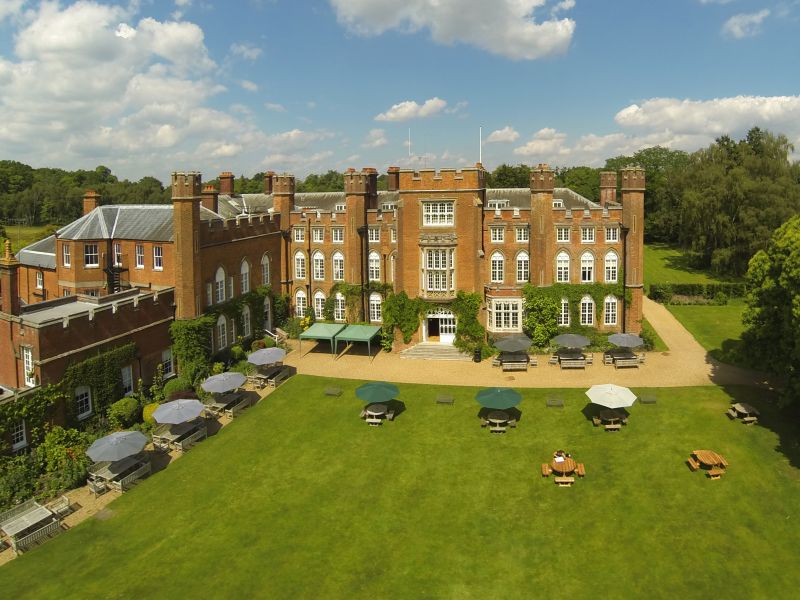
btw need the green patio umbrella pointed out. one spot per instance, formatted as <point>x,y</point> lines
<point>377,391</point>
<point>498,398</point>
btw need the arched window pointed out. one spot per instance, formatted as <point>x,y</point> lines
<point>299,265</point>
<point>563,313</point>
<point>265,270</point>
<point>338,266</point>
<point>300,304</point>
<point>219,285</point>
<point>587,267</point>
<point>222,332</point>
<point>611,267</point>
<point>498,267</point>
<point>375,308</point>
<point>246,327</point>
<point>523,267</point>
<point>587,311</point>
<point>244,271</point>
<point>562,267</point>
<point>610,305</point>
<point>319,304</point>
<point>83,401</point>
<point>339,307</point>
<point>318,261</point>
<point>374,266</point>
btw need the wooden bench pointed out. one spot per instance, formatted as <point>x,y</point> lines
<point>622,363</point>
<point>60,507</point>
<point>515,366</point>
<point>749,420</point>
<point>578,363</point>
<point>693,464</point>
<point>613,427</point>
<point>546,470</point>
<point>533,361</point>
<point>596,421</point>
<point>553,360</point>
<point>444,399</point>
<point>564,481</point>
<point>731,413</point>
<point>555,403</point>
<point>333,391</point>
<point>716,473</point>
<point>580,470</point>
<point>608,359</point>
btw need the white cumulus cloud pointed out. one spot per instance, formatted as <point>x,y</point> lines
<point>250,86</point>
<point>247,51</point>
<point>545,142</point>
<point>297,138</point>
<point>506,134</point>
<point>745,25</point>
<point>504,27</point>
<point>375,139</point>
<point>275,107</point>
<point>410,109</point>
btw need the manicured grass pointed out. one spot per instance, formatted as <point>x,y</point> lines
<point>658,343</point>
<point>22,236</point>
<point>717,328</point>
<point>298,498</point>
<point>667,264</point>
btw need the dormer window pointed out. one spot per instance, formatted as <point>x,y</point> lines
<point>558,204</point>
<point>496,204</point>
<point>339,208</point>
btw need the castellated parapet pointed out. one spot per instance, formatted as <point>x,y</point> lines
<point>633,178</point>
<point>186,185</point>
<point>543,178</point>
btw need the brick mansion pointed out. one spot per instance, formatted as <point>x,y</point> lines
<point>125,272</point>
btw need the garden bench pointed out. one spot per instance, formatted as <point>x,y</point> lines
<point>555,403</point>
<point>613,427</point>
<point>590,359</point>
<point>497,429</point>
<point>444,399</point>
<point>546,470</point>
<point>512,423</point>
<point>608,359</point>
<point>596,421</point>
<point>333,391</point>
<point>190,441</point>
<point>484,422</point>
<point>127,482</point>
<point>580,470</point>
<point>749,420</point>
<point>641,358</point>
<point>279,378</point>
<point>59,507</point>
<point>564,481</point>
<point>390,415</point>
<point>731,413</point>
<point>35,538</point>
<point>693,464</point>
<point>374,421</point>
<point>496,361</point>
<point>515,366</point>
<point>237,409</point>
<point>553,360</point>
<point>716,473</point>
<point>622,363</point>
<point>578,363</point>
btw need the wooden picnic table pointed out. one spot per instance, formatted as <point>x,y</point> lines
<point>745,409</point>
<point>565,466</point>
<point>610,415</point>
<point>376,410</point>
<point>710,458</point>
<point>112,470</point>
<point>497,417</point>
<point>169,434</point>
<point>219,404</point>
<point>26,520</point>
<point>569,354</point>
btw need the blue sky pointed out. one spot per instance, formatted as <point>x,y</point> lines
<point>147,87</point>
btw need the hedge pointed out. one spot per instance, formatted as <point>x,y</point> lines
<point>663,292</point>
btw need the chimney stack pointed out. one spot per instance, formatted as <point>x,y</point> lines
<point>608,187</point>
<point>268,180</point>
<point>91,200</point>
<point>9,281</point>
<point>226,183</point>
<point>393,179</point>
<point>210,198</point>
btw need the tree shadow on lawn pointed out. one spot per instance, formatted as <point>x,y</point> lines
<point>684,261</point>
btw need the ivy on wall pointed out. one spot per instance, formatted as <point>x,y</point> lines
<point>191,346</point>
<point>232,309</point>
<point>401,312</point>
<point>470,334</point>
<point>575,293</point>
<point>33,407</point>
<point>352,299</point>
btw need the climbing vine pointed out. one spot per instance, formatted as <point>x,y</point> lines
<point>403,313</point>
<point>352,299</point>
<point>191,346</point>
<point>574,294</point>
<point>470,334</point>
<point>33,407</point>
<point>232,309</point>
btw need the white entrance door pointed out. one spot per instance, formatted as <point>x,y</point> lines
<point>440,326</point>
<point>447,330</point>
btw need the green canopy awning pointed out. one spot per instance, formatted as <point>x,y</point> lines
<point>358,333</point>
<point>322,331</point>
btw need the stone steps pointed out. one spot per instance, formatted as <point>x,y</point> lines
<point>428,351</point>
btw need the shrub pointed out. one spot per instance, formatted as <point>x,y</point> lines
<point>177,384</point>
<point>237,352</point>
<point>720,299</point>
<point>217,368</point>
<point>182,394</point>
<point>294,327</point>
<point>243,367</point>
<point>269,342</point>
<point>147,413</point>
<point>123,413</point>
<point>258,345</point>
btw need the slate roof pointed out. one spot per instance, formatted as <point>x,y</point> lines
<point>41,254</point>
<point>521,197</point>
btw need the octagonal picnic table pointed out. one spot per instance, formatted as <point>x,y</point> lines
<point>710,458</point>
<point>564,467</point>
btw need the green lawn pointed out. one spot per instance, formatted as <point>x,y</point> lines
<point>668,264</point>
<point>717,328</point>
<point>298,498</point>
<point>22,236</point>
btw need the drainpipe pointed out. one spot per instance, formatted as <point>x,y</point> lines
<point>625,231</point>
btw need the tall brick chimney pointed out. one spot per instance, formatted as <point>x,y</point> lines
<point>608,187</point>
<point>210,197</point>
<point>633,187</point>
<point>393,179</point>
<point>91,200</point>
<point>186,199</point>
<point>9,281</point>
<point>268,180</point>
<point>226,183</point>
<point>542,231</point>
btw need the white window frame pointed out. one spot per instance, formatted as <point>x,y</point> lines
<point>497,235</point>
<point>340,208</point>
<point>610,311</point>
<point>244,274</point>
<point>339,307</point>
<point>39,280</point>
<point>27,366</point>
<point>587,311</point>
<point>158,258</point>
<point>318,234</point>
<point>505,315</point>
<point>375,308</point>
<point>246,322</point>
<point>440,213</point>
<point>394,234</point>
<point>562,267</point>
<point>318,263</point>
<point>319,305</point>
<point>523,235</point>
<point>587,235</point>
<point>117,254</point>
<point>374,266</point>
<point>562,320</point>
<point>523,267</point>
<point>222,332</point>
<point>374,235</point>
<point>167,364</point>
<point>83,394</point>
<point>299,234</point>
<point>126,373</point>
<point>562,234</point>
<point>19,438</point>
<point>587,267</point>
<point>66,256</point>
<point>300,308</point>
<point>611,267</point>
<point>338,266</point>
<point>497,265</point>
<point>299,265</point>
<point>438,269</point>
<point>219,285</point>
<point>91,250</point>
<point>392,261</point>
<point>266,269</point>
<point>140,256</point>
<point>612,235</point>
<point>337,235</point>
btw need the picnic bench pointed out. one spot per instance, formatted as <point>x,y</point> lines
<point>731,414</point>
<point>622,363</point>
<point>497,428</point>
<point>580,470</point>
<point>333,391</point>
<point>750,420</point>
<point>237,409</point>
<point>564,481</point>
<point>716,473</point>
<point>546,470</point>
<point>693,464</point>
<point>613,426</point>
<point>573,363</point>
<point>517,365</point>
<point>21,525</point>
<point>374,421</point>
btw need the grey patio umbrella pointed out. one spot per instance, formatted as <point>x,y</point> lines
<point>117,446</point>
<point>571,340</point>
<point>498,398</point>
<point>625,340</point>
<point>223,382</point>
<point>611,396</point>
<point>513,343</point>
<point>266,356</point>
<point>377,391</point>
<point>178,411</point>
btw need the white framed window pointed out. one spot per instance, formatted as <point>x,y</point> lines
<point>337,235</point>
<point>299,265</point>
<point>498,264</point>
<point>338,266</point>
<point>27,366</point>
<point>318,261</point>
<point>496,204</point>
<point>392,260</point>
<point>299,234</point>
<point>117,254</point>
<point>587,311</point>
<point>340,207</point>
<point>587,235</point>
<point>339,307</point>
<point>167,363</point>
<point>523,234</point>
<point>612,263</point>
<point>562,267</point>
<point>66,257</point>
<point>394,234</point>
<point>222,332</point>
<point>374,264</point>
<point>374,234</point>
<point>300,304</point>
<point>230,287</point>
<point>610,310</point>
<point>505,314</point>
<point>612,235</point>
<point>139,256</point>
<point>439,273</point>
<point>319,305</point>
<point>66,292</point>
<point>39,280</point>
<point>523,267</point>
<point>219,285</point>
<point>91,255</point>
<point>244,277</point>
<point>265,270</point>
<point>498,234</point>
<point>18,438</point>
<point>246,322</point>
<point>563,314</point>
<point>587,267</point>
<point>127,380</point>
<point>317,234</point>
<point>158,258</point>
<point>375,302</point>
<point>562,234</point>
<point>437,214</point>
<point>83,402</point>
<point>91,292</point>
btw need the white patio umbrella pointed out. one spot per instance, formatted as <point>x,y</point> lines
<point>116,446</point>
<point>223,382</point>
<point>178,411</point>
<point>266,356</point>
<point>611,396</point>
